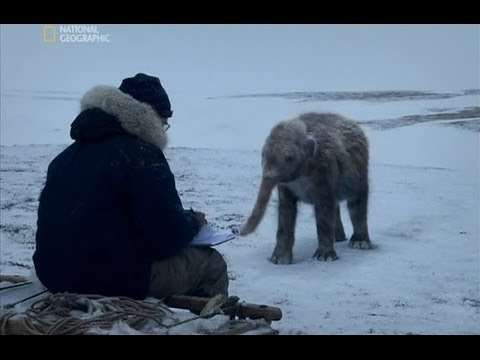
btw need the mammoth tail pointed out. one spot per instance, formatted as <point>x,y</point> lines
<point>258,211</point>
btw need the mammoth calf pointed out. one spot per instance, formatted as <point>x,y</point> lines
<point>319,159</point>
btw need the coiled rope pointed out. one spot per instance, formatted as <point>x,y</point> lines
<point>73,314</point>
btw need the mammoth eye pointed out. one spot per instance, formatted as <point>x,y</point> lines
<point>289,158</point>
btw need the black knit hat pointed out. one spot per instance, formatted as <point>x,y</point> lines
<point>148,89</point>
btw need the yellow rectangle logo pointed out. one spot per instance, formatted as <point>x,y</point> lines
<point>49,33</point>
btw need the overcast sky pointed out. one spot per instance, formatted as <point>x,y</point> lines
<point>216,60</point>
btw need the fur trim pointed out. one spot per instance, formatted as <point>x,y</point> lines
<point>135,117</point>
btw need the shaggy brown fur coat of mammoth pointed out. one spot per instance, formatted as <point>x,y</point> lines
<point>319,159</point>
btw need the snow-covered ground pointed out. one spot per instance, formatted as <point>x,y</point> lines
<point>424,276</point>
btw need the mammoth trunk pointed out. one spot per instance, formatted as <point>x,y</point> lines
<point>258,211</point>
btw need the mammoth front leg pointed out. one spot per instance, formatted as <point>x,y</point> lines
<point>287,216</point>
<point>325,214</point>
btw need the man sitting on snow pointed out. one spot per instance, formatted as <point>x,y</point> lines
<point>110,220</point>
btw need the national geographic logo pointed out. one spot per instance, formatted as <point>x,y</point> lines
<point>49,33</point>
<point>74,34</point>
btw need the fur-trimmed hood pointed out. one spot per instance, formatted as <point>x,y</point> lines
<point>135,117</point>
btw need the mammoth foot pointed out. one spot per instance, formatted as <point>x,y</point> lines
<point>360,243</point>
<point>281,258</point>
<point>325,255</point>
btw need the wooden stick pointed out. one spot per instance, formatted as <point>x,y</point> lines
<point>243,310</point>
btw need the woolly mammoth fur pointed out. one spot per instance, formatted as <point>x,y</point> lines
<point>319,159</point>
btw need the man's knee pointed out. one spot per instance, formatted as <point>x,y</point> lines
<point>218,262</point>
<point>216,281</point>
<point>195,271</point>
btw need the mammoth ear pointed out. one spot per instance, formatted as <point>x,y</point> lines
<point>310,146</point>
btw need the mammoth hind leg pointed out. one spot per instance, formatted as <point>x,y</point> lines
<point>287,216</point>
<point>358,214</point>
